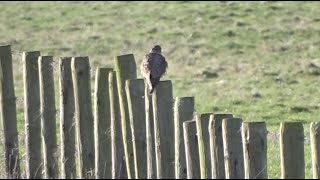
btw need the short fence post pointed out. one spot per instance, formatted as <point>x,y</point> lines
<point>48,117</point>
<point>136,104</point>
<point>163,129</point>
<point>102,124</point>
<point>315,148</point>
<point>151,155</point>
<point>67,129</point>
<point>183,111</point>
<point>83,116</point>
<point>292,150</point>
<point>8,114</point>
<point>254,138</point>
<point>191,149</point>
<point>119,170</point>
<point>204,146</point>
<point>32,115</point>
<point>126,69</point>
<point>216,145</point>
<point>232,143</point>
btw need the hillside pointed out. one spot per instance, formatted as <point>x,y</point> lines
<point>257,60</point>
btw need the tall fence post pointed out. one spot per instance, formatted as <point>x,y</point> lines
<point>163,129</point>
<point>119,170</point>
<point>183,111</point>
<point>315,148</point>
<point>8,114</point>
<point>292,150</point>
<point>254,138</point>
<point>151,156</point>
<point>102,124</point>
<point>67,129</point>
<point>191,149</point>
<point>83,116</point>
<point>136,103</point>
<point>232,143</point>
<point>48,117</point>
<point>126,69</point>
<point>216,145</point>
<point>32,115</point>
<point>204,146</point>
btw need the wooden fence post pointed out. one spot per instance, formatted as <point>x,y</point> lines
<point>183,111</point>
<point>67,123</point>
<point>119,170</point>
<point>292,150</point>
<point>204,146</point>
<point>163,129</point>
<point>232,143</point>
<point>102,124</point>
<point>126,69</point>
<point>48,117</point>
<point>315,148</point>
<point>191,149</point>
<point>136,104</point>
<point>83,116</point>
<point>254,138</point>
<point>151,156</point>
<point>32,115</point>
<point>8,114</point>
<point>216,145</point>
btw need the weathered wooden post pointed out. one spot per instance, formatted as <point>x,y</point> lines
<point>183,111</point>
<point>151,156</point>
<point>163,129</point>
<point>67,123</point>
<point>8,114</point>
<point>292,150</point>
<point>204,146</point>
<point>216,145</point>
<point>83,116</point>
<point>315,148</point>
<point>119,170</point>
<point>254,138</point>
<point>136,104</point>
<point>102,124</point>
<point>126,69</point>
<point>32,115</point>
<point>48,117</point>
<point>191,149</point>
<point>232,143</point>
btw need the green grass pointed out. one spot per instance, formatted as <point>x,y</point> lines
<point>265,55</point>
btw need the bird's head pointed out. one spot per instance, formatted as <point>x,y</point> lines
<point>156,49</point>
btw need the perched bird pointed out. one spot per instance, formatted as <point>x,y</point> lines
<point>153,67</point>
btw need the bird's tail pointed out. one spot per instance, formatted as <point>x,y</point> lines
<point>154,82</point>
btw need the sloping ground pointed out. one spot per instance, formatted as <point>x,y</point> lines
<point>257,60</point>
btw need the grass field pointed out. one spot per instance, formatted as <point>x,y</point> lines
<point>257,60</point>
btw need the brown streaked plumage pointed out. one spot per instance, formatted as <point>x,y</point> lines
<point>153,67</point>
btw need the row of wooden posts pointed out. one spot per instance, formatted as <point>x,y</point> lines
<point>130,133</point>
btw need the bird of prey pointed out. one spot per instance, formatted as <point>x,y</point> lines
<point>153,67</point>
